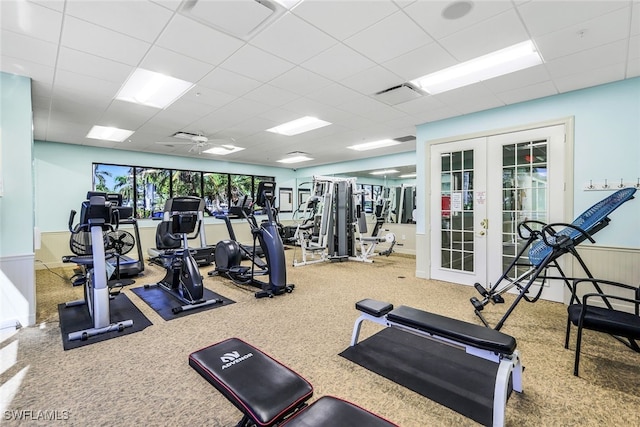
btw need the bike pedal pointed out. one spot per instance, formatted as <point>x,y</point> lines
<point>481,289</point>
<point>477,304</point>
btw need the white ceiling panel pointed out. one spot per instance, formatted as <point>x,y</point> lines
<point>492,34</point>
<point>93,66</point>
<point>203,96</point>
<point>198,41</point>
<point>31,20</point>
<point>338,62</point>
<point>395,35</point>
<point>543,16</point>
<point>419,105</point>
<point>271,95</point>
<point>57,5</point>
<point>525,93</point>
<point>126,115</point>
<point>522,78</point>
<point>19,46</point>
<point>256,64</point>
<point>300,81</point>
<point>633,68</point>
<point>42,75</point>
<point>140,19</point>
<point>594,77</point>
<point>99,41</point>
<point>468,99</point>
<point>85,88</point>
<point>373,80</point>
<point>334,94</point>
<point>592,59</point>
<point>428,14</point>
<point>586,35</point>
<point>421,61</point>
<point>228,82</point>
<point>342,19</point>
<point>173,64</point>
<point>293,39</point>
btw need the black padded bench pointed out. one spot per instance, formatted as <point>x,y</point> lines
<point>268,393</point>
<point>476,340</point>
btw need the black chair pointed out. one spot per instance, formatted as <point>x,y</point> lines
<point>621,325</point>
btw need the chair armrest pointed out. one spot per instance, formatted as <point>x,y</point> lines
<point>606,297</point>
<point>596,283</point>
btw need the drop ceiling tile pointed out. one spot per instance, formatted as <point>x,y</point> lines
<point>393,36</point>
<point>525,93</point>
<point>428,14</point>
<point>363,106</point>
<point>590,59</point>
<point>373,80</point>
<point>633,68</point>
<point>90,38</point>
<point>74,110</point>
<point>338,62</point>
<point>271,95</point>
<point>342,19</point>
<point>41,75</point>
<point>57,5</point>
<point>85,89</point>
<point>198,41</point>
<point>93,66</point>
<point>293,39</point>
<point>31,20</point>
<point>420,62</point>
<point>492,34</point>
<point>334,95</point>
<point>469,99</point>
<point>543,17</point>
<point>173,64</point>
<point>590,78</point>
<point>140,19</point>
<point>522,78</point>
<point>201,95</point>
<point>635,18</point>
<point>228,82</point>
<point>586,35</point>
<point>127,115</point>
<point>19,46</point>
<point>300,81</point>
<point>634,47</point>
<point>421,105</point>
<point>256,64</point>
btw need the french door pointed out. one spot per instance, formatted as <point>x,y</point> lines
<point>481,189</point>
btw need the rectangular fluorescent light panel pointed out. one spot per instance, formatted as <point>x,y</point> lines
<point>295,159</point>
<point>152,89</point>
<point>109,133</point>
<point>384,172</point>
<point>301,125</point>
<point>223,150</point>
<point>508,60</point>
<point>408,175</point>
<point>374,144</point>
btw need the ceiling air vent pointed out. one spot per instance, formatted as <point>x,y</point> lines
<point>238,18</point>
<point>405,138</point>
<point>398,94</point>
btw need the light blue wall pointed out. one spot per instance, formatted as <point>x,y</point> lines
<point>64,174</point>
<point>606,145</point>
<point>16,205</point>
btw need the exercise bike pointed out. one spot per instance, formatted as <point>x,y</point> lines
<point>97,215</point>
<point>183,279</point>
<point>229,253</point>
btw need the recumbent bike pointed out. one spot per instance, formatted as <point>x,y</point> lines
<point>183,279</point>
<point>97,215</point>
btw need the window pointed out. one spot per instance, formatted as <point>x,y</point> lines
<point>148,189</point>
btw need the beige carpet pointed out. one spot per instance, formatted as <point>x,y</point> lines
<point>144,378</point>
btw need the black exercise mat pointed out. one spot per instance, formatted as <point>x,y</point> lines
<point>444,374</point>
<point>163,302</point>
<point>76,318</point>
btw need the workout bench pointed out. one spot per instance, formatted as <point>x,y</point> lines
<point>270,394</point>
<point>477,341</point>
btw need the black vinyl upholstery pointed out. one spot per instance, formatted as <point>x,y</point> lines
<point>259,386</point>
<point>457,330</point>
<point>596,312</point>
<point>330,411</point>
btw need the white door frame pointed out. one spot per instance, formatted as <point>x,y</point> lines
<point>568,123</point>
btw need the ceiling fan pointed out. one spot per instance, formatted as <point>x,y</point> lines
<point>197,141</point>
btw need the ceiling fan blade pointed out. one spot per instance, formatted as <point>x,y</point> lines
<point>175,142</point>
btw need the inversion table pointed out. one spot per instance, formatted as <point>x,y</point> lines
<point>545,246</point>
<point>270,394</point>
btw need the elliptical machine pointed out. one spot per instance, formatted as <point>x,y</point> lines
<point>228,253</point>
<point>97,215</point>
<point>183,279</point>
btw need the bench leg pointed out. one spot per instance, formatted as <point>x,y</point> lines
<point>509,368</point>
<point>356,327</point>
